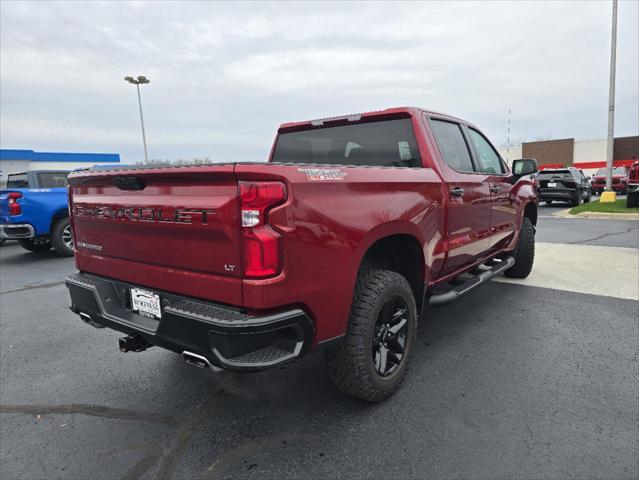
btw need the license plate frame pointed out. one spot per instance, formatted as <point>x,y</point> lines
<point>552,184</point>
<point>146,303</point>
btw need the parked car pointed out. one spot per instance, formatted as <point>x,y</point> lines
<point>619,180</point>
<point>632,195</point>
<point>337,244</point>
<point>34,211</point>
<point>564,184</point>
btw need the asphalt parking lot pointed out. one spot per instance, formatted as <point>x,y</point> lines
<point>512,381</point>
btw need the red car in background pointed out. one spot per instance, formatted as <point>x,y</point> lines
<point>632,196</point>
<point>619,180</point>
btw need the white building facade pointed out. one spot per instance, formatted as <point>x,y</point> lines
<point>14,161</point>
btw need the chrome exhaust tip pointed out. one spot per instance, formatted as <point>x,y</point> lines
<point>199,361</point>
<point>86,318</point>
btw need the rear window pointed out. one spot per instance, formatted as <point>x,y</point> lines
<point>53,179</point>
<point>387,143</point>
<point>18,180</point>
<point>547,174</point>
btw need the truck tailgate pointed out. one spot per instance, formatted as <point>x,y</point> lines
<point>173,229</point>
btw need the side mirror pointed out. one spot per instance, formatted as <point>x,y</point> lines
<point>588,178</point>
<point>524,166</point>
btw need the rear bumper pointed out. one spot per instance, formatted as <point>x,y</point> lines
<point>16,231</point>
<point>617,187</point>
<point>557,194</point>
<point>227,337</point>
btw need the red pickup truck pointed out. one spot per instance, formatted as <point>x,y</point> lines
<point>632,195</point>
<point>619,180</point>
<point>338,243</point>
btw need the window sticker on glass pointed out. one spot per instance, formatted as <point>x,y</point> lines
<point>404,151</point>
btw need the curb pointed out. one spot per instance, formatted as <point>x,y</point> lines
<point>600,215</point>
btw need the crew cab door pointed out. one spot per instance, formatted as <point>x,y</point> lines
<point>502,210</point>
<point>468,197</point>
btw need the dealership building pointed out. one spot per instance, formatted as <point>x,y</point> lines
<point>13,161</point>
<point>587,155</point>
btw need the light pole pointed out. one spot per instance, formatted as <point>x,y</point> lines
<point>609,195</point>
<point>140,80</point>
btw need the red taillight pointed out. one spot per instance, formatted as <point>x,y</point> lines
<point>261,243</point>
<point>14,207</point>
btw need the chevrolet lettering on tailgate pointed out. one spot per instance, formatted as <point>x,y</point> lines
<point>145,214</point>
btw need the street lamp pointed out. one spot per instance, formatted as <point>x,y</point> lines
<point>609,196</point>
<point>140,80</point>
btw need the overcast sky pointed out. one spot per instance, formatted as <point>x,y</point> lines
<point>225,75</point>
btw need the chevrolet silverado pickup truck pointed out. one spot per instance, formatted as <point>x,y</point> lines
<point>338,243</point>
<point>619,180</point>
<point>33,211</point>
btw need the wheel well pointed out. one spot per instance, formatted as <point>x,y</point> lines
<point>402,254</point>
<point>62,213</point>
<point>531,212</point>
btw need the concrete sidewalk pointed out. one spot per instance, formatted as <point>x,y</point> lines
<point>592,269</point>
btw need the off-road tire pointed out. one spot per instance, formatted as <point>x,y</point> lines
<point>40,245</point>
<point>59,233</point>
<point>350,364</point>
<point>524,252</point>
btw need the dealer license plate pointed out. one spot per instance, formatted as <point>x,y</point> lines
<point>146,303</point>
<point>552,184</point>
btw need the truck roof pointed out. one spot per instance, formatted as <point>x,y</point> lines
<point>37,171</point>
<point>407,111</point>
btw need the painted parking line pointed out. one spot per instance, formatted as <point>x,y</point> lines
<point>596,270</point>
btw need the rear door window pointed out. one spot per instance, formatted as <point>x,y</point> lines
<point>386,143</point>
<point>452,145</point>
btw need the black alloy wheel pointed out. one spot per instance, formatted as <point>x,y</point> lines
<point>389,337</point>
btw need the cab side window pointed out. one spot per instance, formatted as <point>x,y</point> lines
<point>577,176</point>
<point>452,145</point>
<point>489,160</point>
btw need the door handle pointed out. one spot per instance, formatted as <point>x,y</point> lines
<point>495,189</point>
<point>457,192</point>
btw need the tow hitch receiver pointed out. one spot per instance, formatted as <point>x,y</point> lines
<point>133,344</point>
